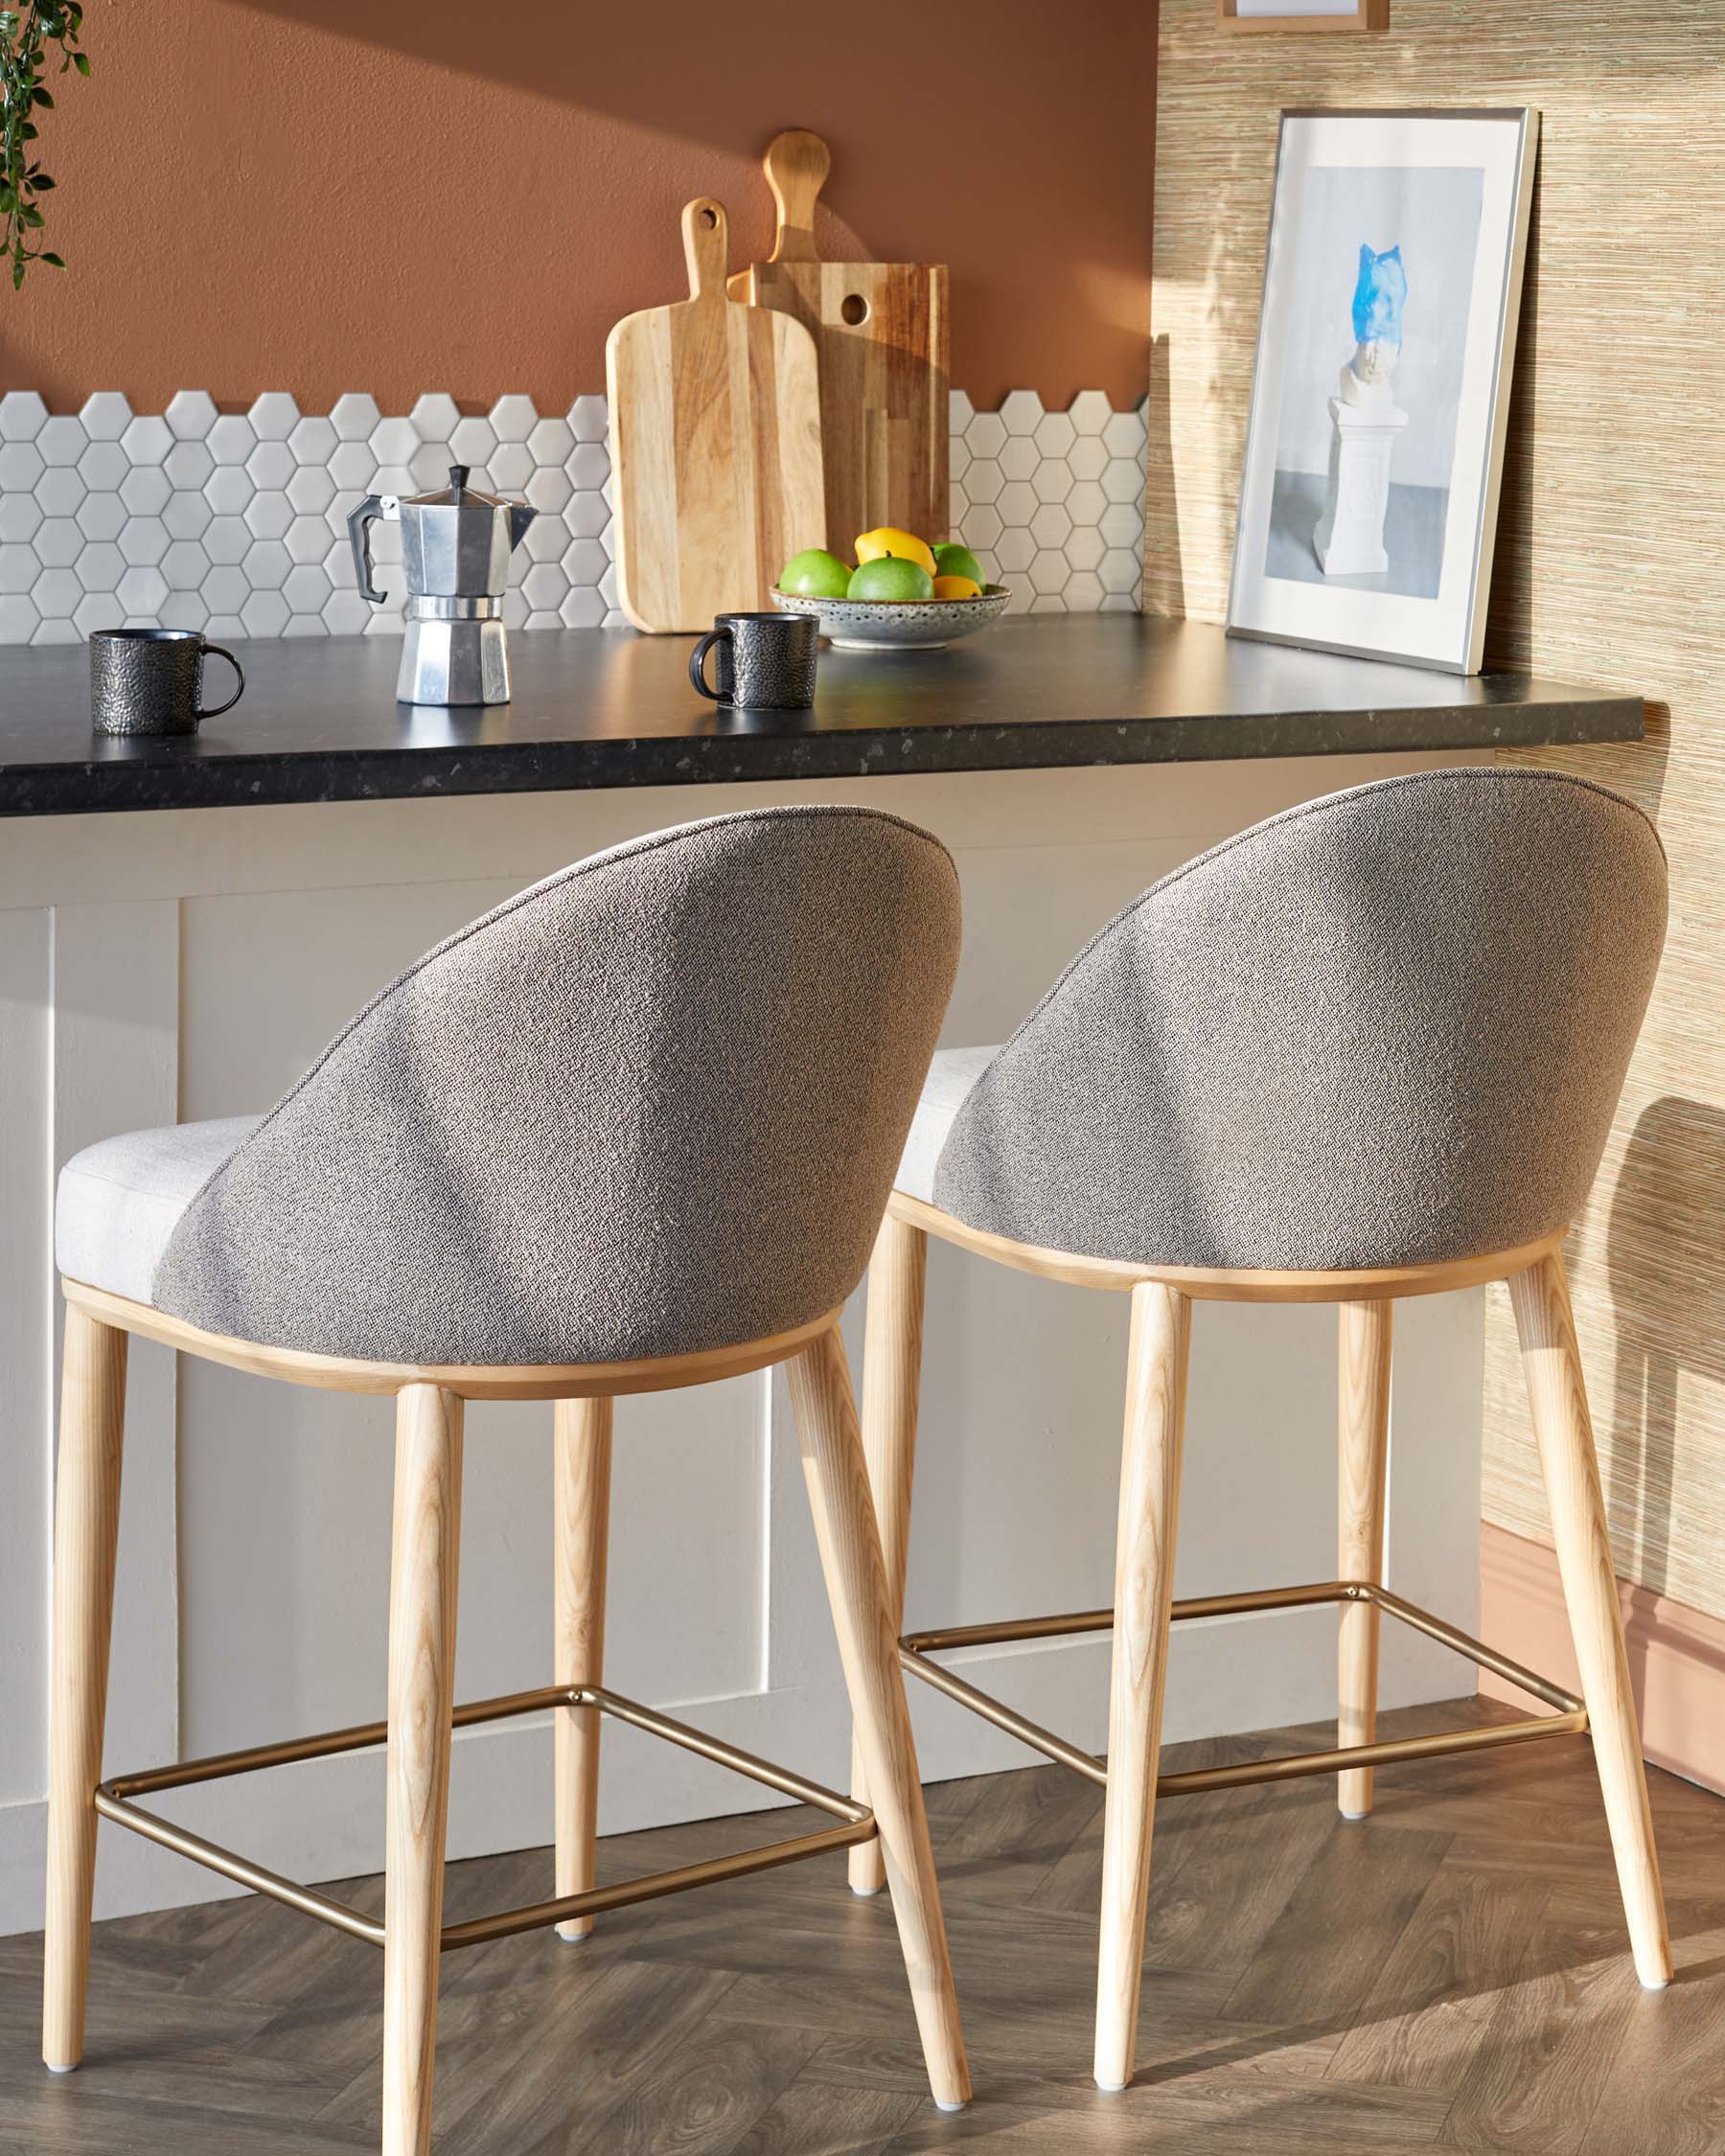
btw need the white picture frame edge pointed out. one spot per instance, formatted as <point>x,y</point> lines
<point>1528,121</point>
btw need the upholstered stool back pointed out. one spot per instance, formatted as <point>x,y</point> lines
<point>650,1106</point>
<point>1385,1028</point>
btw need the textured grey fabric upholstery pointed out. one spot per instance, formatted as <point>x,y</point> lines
<point>1385,1028</point>
<point>951,1076</point>
<point>652,1104</point>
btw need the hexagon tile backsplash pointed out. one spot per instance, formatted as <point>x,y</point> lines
<point>236,523</point>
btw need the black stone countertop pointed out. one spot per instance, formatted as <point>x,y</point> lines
<point>605,708</point>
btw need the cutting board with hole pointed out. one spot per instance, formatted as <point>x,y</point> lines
<point>881,330</point>
<point>715,425</point>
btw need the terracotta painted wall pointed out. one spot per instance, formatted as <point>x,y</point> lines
<point>416,195</point>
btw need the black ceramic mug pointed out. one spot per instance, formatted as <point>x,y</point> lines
<point>766,662</point>
<point>148,681</point>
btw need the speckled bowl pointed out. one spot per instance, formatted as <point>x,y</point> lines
<point>877,625</point>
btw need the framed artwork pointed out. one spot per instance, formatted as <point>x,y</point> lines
<point>1369,15</point>
<point>1374,444</point>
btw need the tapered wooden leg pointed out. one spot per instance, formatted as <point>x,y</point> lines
<point>1564,1431</point>
<point>1363,1365</point>
<point>583,1502</point>
<point>856,1578</point>
<point>86,1529</point>
<point>891,1377</point>
<point>424,1567</point>
<point>1143,1589</point>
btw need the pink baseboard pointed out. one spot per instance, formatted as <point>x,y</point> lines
<point>1676,1654</point>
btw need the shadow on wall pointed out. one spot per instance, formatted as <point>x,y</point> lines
<point>1509,604</point>
<point>1164,569</point>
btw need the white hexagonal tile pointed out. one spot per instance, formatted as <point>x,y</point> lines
<point>61,539</point>
<point>351,465</point>
<point>1086,502</point>
<point>266,565</point>
<point>184,565</point>
<point>354,415</point>
<point>231,440</point>
<point>1019,600</point>
<point>541,618</point>
<point>1015,551</point>
<point>983,481</point>
<point>106,415</point>
<point>1090,411</point>
<point>512,419</point>
<point>510,468</point>
<point>1119,570</point>
<point>187,516</point>
<point>224,628</point>
<point>338,563</point>
<point>274,416</point>
<point>545,587</point>
<point>267,515</point>
<point>146,490</point>
<point>307,589</point>
<point>22,415</point>
<point>20,467</point>
<point>59,632</point>
<point>100,566</point>
<point>191,414</point>
<point>144,542</point>
<point>59,492</point>
<point>589,466</point>
<point>430,466</point>
<point>962,411</point>
<point>1085,547</point>
<point>393,479</point>
<point>1056,434</point>
<point>345,614</point>
<point>552,442</point>
<point>590,421</point>
<point>546,539</point>
<point>435,417</point>
<point>225,590</point>
<point>583,610</point>
<point>1016,503</point>
<point>986,435</point>
<point>472,443</point>
<point>19,619</point>
<point>228,489</point>
<point>585,562</point>
<point>58,594</point>
<point>266,613</point>
<point>1123,481</point>
<point>1124,435</point>
<point>393,440</point>
<point>982,527</point>
<point>1049,570</point>
<point>19,516</point>
<point>142,591</point>
<point>100,516</point>
<point>1020,457</point>
<point>1047,602</point>
<point>62,440</point>
<point>148,440</point>
<point>1050,526</point>
<point>189,464</point>
<point>608,535</point>
<point>96,610</point>
<point>516,609</point>
<point>957,509</point>
<point>308,539</point>
<point>1082,593</point>
<point>312,489</point>
<point>1020,411</point>
<point>958,457</point>
<point>1121,523</point>
<point>1088,458</point>
<point>103,467</point>
<point>313,441</point>
<point>549,490</point>
<point>227,540</point>
<point>183,610</point>
<point>585,516</point>
<point>1053,479</point>
<point>305,625</point>
<point>270,465</point>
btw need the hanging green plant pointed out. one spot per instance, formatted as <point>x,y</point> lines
<point>26,37</point>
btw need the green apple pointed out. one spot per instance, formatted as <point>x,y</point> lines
<point>815,574</point>
<point>891,580</point>
<point>955,561</point>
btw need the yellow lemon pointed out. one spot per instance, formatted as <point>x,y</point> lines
<point>902,546</point>
<point>957,587</point>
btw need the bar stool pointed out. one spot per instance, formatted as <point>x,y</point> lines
<point>632,1131</point>
<point>1370,1048</point>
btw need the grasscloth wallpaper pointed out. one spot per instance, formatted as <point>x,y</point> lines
<point>1611,569</point>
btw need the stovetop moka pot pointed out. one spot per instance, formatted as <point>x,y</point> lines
<point>456,548</point>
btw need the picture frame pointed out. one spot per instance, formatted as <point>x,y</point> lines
<point>1380,393</point>
<point>1371,16</point>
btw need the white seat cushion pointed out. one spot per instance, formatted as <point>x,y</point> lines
<point>119,1202</point>
<point>951,1074</point>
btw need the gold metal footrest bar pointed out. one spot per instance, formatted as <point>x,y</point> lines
<point>114,1801</point>
<point>1568,1716</point>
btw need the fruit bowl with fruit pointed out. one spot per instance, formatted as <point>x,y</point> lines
<point>903,594</point>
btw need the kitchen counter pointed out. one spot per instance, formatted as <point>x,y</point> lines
<point>604,708</point>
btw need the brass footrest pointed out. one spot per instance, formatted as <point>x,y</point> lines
<point>113,1801</point>
<point>1568,1718</point>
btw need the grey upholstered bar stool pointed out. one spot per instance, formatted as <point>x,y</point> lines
<point>1370,1048</point>
<point>632,1130</point>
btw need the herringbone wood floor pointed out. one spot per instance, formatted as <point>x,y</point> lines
<point>1451,1976</point>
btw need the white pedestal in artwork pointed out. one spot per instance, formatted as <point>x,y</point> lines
<point>1350,538</point>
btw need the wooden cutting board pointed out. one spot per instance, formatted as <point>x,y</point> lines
<point>881,328</point>
<point>715,428</point>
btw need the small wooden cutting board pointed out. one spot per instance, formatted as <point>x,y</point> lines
<point>715,424</point>
<point>881,328</point>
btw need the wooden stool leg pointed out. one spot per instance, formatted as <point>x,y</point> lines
<point>850,1556</point>
<point>1143,1588</point>
<point>1363,1365</point>
<point>86,1529</point>
<point>891,1375</point>
<point>422,1679</point>
<point>1561,1424</point>
<point>583,1504</point>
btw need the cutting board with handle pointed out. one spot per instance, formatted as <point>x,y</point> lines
<point>715,425</point>
<point>881,328</point>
